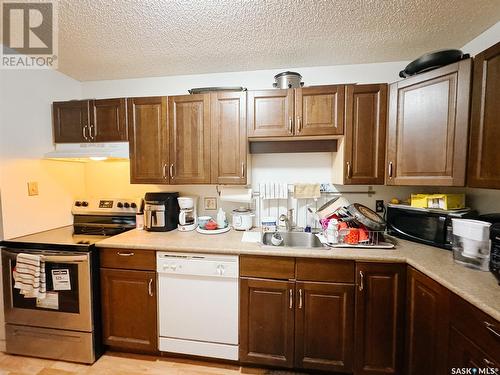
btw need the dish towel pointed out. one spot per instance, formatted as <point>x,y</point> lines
<point>306,191</point>
<point>29,275</point>
<point>273,190</point>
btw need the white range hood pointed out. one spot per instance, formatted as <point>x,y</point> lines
<point>89,151</point>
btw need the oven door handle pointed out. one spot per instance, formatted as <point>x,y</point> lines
<point>51,258</point>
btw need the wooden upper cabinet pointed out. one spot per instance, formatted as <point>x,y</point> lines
<point>365,134</point>
<point>379,318</point>
<point>108,120</point>
<point>324,326</point>
<point>229,138</point>
<point>71,121</point>
<point>267,322</point>
<point>189,121</point>
<point>427,325</point>
<point>129,309</point>
<point>319,110</point>
<point>270,113</point>
<point>148,140</point>
<point>484,157</point>
<point>428,127</point>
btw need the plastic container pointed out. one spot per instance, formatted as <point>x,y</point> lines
<point>439,201</point>
<point>471,243</point>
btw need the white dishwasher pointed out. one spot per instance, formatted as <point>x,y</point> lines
<point>198,304</point>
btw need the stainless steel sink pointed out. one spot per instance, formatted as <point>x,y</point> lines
<point>294,239</point>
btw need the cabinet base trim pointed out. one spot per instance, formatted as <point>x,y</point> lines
<point>199,348</point>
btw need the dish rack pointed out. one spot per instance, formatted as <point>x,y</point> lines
<point>367,239</point>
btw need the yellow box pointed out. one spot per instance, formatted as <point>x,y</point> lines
<point>440,201</point>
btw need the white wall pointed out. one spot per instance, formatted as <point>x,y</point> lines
<point>488,38</point>
<point>25,135</point>
<point>258,79</point>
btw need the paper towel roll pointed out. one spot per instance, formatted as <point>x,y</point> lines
<point>234,194</point>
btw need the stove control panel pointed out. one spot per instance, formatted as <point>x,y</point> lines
<point>110,206</point>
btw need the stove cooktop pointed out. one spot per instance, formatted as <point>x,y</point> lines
<point>63,236</point>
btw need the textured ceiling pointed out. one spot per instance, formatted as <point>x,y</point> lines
<point>111,39</point>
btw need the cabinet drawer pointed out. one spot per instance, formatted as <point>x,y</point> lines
<point>267,267</point>
<point>327,270</point>
<point>481,328</point>
<point>128,259</point>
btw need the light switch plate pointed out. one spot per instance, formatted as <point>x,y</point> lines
<point>32,188</point>
<point>210,203</point>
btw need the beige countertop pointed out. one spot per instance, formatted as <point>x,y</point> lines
<point>479,288</point>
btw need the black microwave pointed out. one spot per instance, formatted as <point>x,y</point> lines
<point>427,226</point>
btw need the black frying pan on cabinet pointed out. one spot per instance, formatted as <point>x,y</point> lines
<point>432,60</point>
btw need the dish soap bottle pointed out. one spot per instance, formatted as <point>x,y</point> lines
<point>221,219</point>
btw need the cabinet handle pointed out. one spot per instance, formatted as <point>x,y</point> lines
<point>488,363</point>
<point>300,298</point>
<point>150,287</point>
<point>299,124</point>
<point>290,125</point>
<point>390,169</point>
<point>129,254</point>
<point>348,170</point>
<point>290,304</point>
<point>172,171</point>
<point>242,169</point>
<point>491,327</point>
<point>92,131</point>
<point>164,170</point>
<point>361,281</point>
<point>84,133</point>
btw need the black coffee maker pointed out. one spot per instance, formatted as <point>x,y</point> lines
<point>161,212</point>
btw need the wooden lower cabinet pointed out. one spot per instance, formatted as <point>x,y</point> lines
<point>427,325</point>
<point>464,353</point>
<point>324,322</point>
<point>129,309</point>
<point>267,322</point>
<point>379,318</point>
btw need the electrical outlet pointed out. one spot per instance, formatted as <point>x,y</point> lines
<point>32,188</point>
<point>379,205</point>
<point>210,203</point>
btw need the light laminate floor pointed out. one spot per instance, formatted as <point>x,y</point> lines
<point>123,364</point>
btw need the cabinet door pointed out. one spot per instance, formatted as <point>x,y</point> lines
<point>189,120</point>
<point>148,140</point>
<point>379,321</point>
<point>71,121</point>
<point>428,127</point>
<point>319,110</point>
<point>129,309</point>
<point>365,132</point>
<point>484,158</point>
<point>267,322</point>
<point>464,353</point>
<point>108,120</point>
<point>324,324</point>
<point>229,138</point>
<point>270,113</point>
<point>427,325</point>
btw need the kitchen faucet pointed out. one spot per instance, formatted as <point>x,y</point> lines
<point>288,219</point>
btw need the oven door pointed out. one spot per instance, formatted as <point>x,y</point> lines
<point>63,309</point>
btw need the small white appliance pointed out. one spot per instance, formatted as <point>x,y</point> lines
<point>198,304</point>
<point>471,243</point>
<point>187,214</point>
<point>243,218</point>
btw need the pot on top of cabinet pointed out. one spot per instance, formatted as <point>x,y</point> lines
<point>288,80</point>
